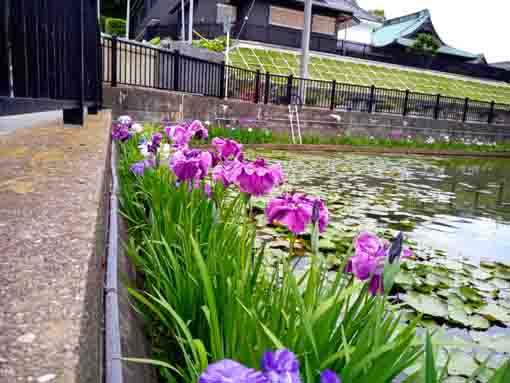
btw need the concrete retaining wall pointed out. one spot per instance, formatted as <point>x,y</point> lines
<point>153,105</point>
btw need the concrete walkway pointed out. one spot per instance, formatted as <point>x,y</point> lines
<point>52,197</point>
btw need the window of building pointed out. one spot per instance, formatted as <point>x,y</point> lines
<point>225,9</point>
<point>285,17</point>
<point>324,24</point>
<point>153,3</point>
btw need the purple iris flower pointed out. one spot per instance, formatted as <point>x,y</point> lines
<point>190,164</point>
<point>329,376</point>
<point>227,172</point>
<point>153,146</point>
<point>228,149</point>
<point>281,366</point>
<point>125,120</point>
<point>179,135</point>
<point>198,130</point>
<point>368,262</point>
<point>228,371</point>
<point>138,168</point>
<point>121,132</point>
<point>295,211</point>
<point>257,178</point>
<point>320,212</point>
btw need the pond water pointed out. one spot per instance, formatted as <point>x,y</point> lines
<point>455,214</point>
<point>460,206</point>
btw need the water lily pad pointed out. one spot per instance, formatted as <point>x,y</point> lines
<point>326,244</point>
<point>462,364</point>
<point>427,304</point>
<point>479,322</point>
<point>494,312</point>
<point>470,294</point>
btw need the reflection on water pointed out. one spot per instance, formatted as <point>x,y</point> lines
<point>458,205</point>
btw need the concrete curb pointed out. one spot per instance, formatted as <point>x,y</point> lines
<point>376,150</point>
<point>113,351</point>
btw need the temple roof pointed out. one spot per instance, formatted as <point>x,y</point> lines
<point>402,31</point>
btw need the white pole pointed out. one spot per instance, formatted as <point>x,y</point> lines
<point>128,16</point>
<point>227,62</point>
<point>190,26</point>
<point>305,42</point>
<point>183,29</point>
<point>305,49</point>
<point>99,10</point>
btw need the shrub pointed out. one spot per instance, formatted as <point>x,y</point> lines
<point>155,41</point>
<point>115,27</point>
<point>219,44</point>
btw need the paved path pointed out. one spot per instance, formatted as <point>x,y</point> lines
<point>31,120</point>
<point>51,249</point>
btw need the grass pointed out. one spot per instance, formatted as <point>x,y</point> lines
<point>324,68</point>
<point>258,135</point>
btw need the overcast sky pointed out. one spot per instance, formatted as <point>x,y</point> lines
<point>471,25</point>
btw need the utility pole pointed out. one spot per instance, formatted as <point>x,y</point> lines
<point>99,9</point>
<point>128,16</point>
<point>305,42</point>
<point>183,16</point>
<point>190,26</point>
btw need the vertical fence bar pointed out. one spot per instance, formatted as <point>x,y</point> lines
<point>223,81</point>
<point>466,107</point>
<point>491,113</point>
<point>257,86</point>
<point>371,99</point>
<point>436,107</point>
<point>113,62</point>
<point>267,87</point>
<point>406,103</point>
<point>5,67</point>
<point>289,89</point>
<point>332,104</point>
<point>177,70</point>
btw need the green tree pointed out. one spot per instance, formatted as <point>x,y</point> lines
<point>425,45</point>
<point>379,14</point>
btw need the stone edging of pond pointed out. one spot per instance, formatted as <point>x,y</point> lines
<point>375,150</point>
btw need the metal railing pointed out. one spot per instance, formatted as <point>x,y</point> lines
<point>277,35</point>
<point>49,57</point>
<point>131,63</point>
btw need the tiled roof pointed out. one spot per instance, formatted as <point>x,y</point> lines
<point>399,29</point>
<point>502,65</point>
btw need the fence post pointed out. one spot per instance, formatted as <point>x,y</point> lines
<point>257,87</point>
<point>223,82</point>
<point>436,107</point>
<point>76,116</point>
<point>466,106</point>
<point>406,103</point>
<point>371,99</point>
<point>333,94</point>
<point>177,70</point>
<point>267,88</point>
<point>289,89</point>
<point>113,68</point>
<point>491,112</point>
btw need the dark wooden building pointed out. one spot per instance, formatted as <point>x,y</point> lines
<point>276,22</point>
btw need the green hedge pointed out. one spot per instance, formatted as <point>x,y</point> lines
<point>115,27</point>
<point>103,23</point>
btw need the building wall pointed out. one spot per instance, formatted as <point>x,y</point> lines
<point>361,33</point>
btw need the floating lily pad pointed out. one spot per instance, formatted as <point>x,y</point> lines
<point>427,304</point>
<point>470,294</point>
<point>462,364</point>
<point>493,312</point>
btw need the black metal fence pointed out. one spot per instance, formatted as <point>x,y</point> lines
<point>272,34</point>
<point>131,63</point>
<point>53,50</point>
